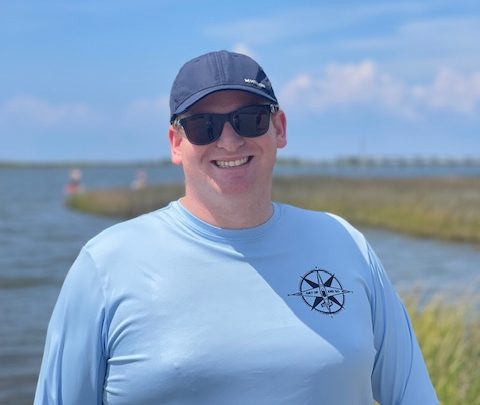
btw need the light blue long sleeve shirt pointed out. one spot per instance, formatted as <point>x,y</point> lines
<point>166,309</point>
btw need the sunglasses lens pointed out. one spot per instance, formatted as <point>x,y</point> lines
<point>252,121</point>
<point>202,129</point>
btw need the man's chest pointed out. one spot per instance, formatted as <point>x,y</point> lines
<point>255,325</point>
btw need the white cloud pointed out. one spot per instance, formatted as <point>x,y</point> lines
<point>350,85</point>
<point>147,111</point>
<point>32,112</point>
<point>432,34</point>
<point>344,84</point>
<point>453,31</point>
<point>242,47</point>
<point>302,21</point>
<point>29,110</point>
<point>418,47</point>
<point>451,91</point>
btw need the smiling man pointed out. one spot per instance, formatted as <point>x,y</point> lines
<point>228,181</point>
<point>225,297</point>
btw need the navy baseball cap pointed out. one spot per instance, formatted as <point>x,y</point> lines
<point>214,71</point>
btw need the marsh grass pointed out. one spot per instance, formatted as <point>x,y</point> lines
<point>448,331</point>
<point>441,208</point>
<point>124,203</point>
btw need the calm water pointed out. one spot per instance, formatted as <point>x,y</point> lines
<point>40,238</point>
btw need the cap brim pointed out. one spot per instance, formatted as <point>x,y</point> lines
<point>185,105</point>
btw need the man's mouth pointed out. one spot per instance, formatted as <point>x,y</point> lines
<point>232,163</point>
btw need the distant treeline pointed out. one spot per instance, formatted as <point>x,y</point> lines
<point>344,161</point>
<point>365,161</point>
<point>82,164</point>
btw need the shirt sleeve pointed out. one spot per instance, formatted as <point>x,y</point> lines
<point>399,374</point>
<point>74,361</point>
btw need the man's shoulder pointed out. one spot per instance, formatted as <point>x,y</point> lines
<point>324,222</point>
<point>295,213</point>
<point>132,232</point>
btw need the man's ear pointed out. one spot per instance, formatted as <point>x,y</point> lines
<point>279,121</point>
<point>176,139</point>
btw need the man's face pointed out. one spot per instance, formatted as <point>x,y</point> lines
<point>232,165</point>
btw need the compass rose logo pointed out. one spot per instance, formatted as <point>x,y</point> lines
<point>322,292</point>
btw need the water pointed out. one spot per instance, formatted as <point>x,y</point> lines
<point>40,238</point>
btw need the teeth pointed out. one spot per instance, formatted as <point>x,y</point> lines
<point>231,163</point>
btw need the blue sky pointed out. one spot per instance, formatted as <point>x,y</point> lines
<point>90,79</point>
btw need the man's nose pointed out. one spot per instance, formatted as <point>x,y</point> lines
<point>230,140</point>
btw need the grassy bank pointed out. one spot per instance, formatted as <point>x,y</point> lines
<point>442,208</point>
<point>449,336</point>
<point>124,203</point>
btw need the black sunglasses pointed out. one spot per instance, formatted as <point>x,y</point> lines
<point>250,122</point>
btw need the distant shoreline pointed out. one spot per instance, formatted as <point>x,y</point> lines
<point>81,164</point>
<point>345,161</point>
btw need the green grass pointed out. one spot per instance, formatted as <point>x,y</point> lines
<point>124,203</point>
<point>449,336</point>
<point>441,208</point>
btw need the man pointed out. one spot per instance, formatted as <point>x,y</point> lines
<point>224,297</point>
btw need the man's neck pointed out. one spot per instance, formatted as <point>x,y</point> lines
<point>234,212</point>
